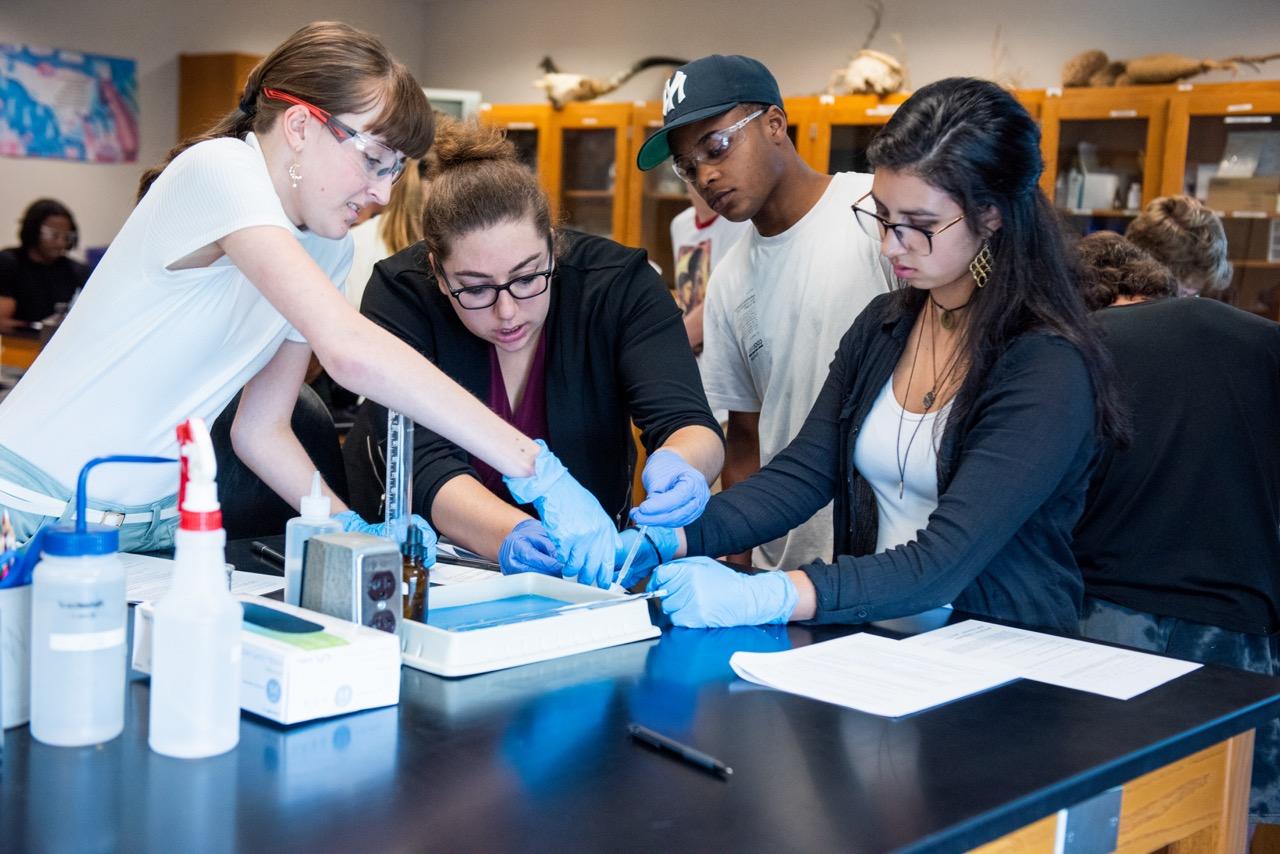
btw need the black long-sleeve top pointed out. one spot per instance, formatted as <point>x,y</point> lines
<point>1011,485</point>
<point>616,352</point>
<point>1186,521</point>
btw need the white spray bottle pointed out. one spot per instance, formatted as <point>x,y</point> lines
<point>314,520</point>
<point>195,671</point>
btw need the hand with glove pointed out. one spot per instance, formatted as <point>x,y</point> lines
<point>658,546</point>
<point>585,537</point>
<point>702,593</point>
<point>352,523</point>
<point>677,492</point>
<point>528,548</point>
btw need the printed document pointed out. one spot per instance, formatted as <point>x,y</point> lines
<point>1069,663</point>
<point>147,579</point>
<point>871,674</point>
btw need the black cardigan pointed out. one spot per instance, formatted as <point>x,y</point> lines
<point>1011,484</point>
<point>616,352</point>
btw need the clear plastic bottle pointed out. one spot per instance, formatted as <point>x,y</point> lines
<point>77,625</point>
<point>78,638</point>
<point>195,665</point>
<point>314,520</point>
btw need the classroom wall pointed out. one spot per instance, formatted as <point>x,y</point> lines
<point>495,45</point>
<point>154,32</point>
<point>802,41</point>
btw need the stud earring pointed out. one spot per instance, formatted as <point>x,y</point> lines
<point>295,175</point>
<point>981,265</point>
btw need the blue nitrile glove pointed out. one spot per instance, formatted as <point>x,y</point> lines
<point>702,593</point>
<point>528,548</point>
<point>659,547</point>
<point>352,523</point>
<point>585,537</point>
<point>677,492</point>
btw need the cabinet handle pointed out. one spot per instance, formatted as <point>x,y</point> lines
<point>1124,114</point>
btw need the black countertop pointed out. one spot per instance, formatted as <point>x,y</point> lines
<point>537,758</point>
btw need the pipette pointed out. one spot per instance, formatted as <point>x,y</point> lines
<point>631,556</point>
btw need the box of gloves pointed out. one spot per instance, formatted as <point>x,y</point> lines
<point>299,665</point>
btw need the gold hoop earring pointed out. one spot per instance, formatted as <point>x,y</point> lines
<point>982,265</point>
<point>295,175</point>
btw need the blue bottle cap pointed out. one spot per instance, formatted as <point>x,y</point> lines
<point>67,541</point>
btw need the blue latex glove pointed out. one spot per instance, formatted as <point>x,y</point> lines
<point>528,549</point>
<point>659,547</point>
<point>677,492</point>
<point>585,537</point>
<point>702,593</point>
<point>352,523</point>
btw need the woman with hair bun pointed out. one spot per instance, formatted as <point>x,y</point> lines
<point>227,275</point>
<point>567,336</point>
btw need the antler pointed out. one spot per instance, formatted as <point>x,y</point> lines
<point>1252,61</point>
<point>877,9</point>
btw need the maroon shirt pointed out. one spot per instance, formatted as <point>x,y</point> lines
<point>530,417</point>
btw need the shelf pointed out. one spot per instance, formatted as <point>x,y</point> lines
<point>1255,264</point>
<point>602,195</point>
<point>1247,214</point>
<point>1101,212</point>
<point>668,197</point>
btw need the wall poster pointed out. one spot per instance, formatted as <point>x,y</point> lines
<point>67,105</point>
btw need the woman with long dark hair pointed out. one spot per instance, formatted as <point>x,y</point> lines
<point>957,425</point>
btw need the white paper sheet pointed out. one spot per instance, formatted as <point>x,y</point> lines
<point>147,579</point>
<point>1069,663</point>
<point>871,674</point>
<point>443,572</point>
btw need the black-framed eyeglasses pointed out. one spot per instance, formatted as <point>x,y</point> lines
<point>379,161</point>
<point>712,148</point>
<point>913,238</point>
<point>48,232</point>
<point>526,286</point>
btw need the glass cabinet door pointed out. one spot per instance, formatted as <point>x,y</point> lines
<point>588,172</point>
<point>1229,144</point>
<point>1102,150</point>
<point>662,196</point>
<point>525,139</point>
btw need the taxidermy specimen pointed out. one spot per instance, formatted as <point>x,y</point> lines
<point>563,88</point>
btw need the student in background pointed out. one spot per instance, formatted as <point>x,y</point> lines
<point>226,274</point>
<point>778,303</point>
<point>957,425</point>
<point>700,238</point>
<point>567,336</point>
<point>37,275</point>
<point>1179,543</point>
<point>1117,272</point>
<point>397,226</point>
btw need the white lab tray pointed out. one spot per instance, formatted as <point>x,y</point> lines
<point>450,653</point>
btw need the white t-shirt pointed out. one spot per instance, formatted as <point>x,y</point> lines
<point>776,310</point>
<point>894,446</point>
<point>146,347</point>
<point>367,250</point>
<point>698,251</point>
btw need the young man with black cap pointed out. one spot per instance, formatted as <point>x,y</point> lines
<point>780,301</point>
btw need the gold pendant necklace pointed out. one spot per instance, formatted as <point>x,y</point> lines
<point>947,318</point>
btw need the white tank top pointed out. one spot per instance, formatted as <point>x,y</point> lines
<point>897,447</point>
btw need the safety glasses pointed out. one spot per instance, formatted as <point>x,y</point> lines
<point>378,160</point>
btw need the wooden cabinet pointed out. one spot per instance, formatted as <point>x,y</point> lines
<point>1223,147</point>
<point>209,87</point>
<point>1102,146</point>
<point>595,163</point>
<point>654,197</point>
<point>531,127</point>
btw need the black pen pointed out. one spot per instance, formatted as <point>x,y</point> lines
<point>268,555</point>
<point>681,751</point>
